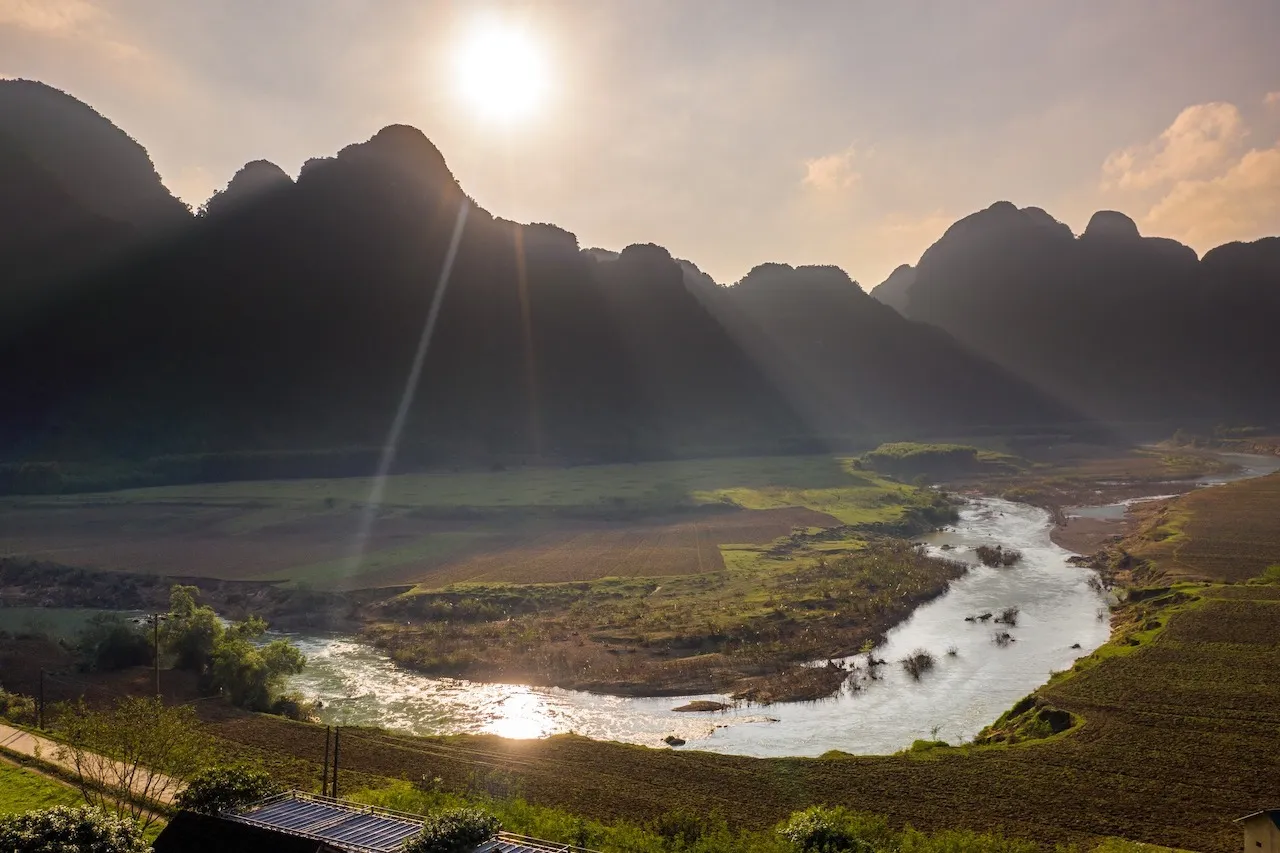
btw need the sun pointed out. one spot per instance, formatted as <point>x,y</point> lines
<point>501,73</point>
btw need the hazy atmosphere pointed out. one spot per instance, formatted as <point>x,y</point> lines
<point>732,133</point>
<point>639,427</point>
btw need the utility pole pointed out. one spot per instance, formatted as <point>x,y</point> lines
<point>155,621</point>
<point>40,707</point>
<point>336,731</point>
<point>324,776</point>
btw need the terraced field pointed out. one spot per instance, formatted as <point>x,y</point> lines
<point>1181,734</point>
<point>1230,533</point>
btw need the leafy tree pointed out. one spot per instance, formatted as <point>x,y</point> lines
<point>250,673</point>
<point>132,753</point>
<point>219,789</point>
<point>110,642</point>
<point>232,659</point>
<point>67,829</point>
<point>454,831</point>
<point>192,631</point>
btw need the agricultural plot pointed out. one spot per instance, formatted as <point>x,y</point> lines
<point>1229,533</point>
<point>531,525</point>
<point>1180,735</point>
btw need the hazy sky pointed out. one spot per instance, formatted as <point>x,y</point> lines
<point>731,131</point>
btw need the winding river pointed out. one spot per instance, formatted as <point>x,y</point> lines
<point>1061,617</point>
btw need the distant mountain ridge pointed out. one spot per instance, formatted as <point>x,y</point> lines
<point>1120,326</point>
<point>287,313</point>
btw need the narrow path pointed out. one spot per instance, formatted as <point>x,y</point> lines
<point>163,790</point>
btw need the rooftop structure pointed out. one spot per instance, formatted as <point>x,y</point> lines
<point>341,825</point>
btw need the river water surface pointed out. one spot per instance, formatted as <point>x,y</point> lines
<point>1060,618</point>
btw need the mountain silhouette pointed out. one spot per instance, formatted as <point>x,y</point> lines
<point>285,317</point>
<point>1122,327</point>
<point>96,163</point>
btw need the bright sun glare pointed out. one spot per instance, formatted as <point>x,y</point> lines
<point>502,72</point>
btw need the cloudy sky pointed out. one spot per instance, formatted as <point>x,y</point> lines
<point>731,131</point>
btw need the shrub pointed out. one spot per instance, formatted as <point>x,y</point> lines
<point>998,555</point>
<point>67,829</point>
<point>16,707</point>
<point>918,662</point>
<point>821,829</point>
<point>1008,616</point>
<point>1002,638</point>
<point>454,831</point>
<point>222,789</point>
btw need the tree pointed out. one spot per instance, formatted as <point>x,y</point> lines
<point>454,831</point>
<point>192,631</point>
<point>250,673</point>
<point>219,789</point>
<point>109,642</point>
<point>131,754</point>
<point>232,659</point>
<point>67,829</point>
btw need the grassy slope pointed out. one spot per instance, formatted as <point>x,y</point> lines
<point>22,790</point>
<point>1179,737</point>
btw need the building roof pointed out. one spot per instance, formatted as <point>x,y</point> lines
<point>1273,814</point>
<point>344,825</point>
<point>190,832</point>
<point>341,825</point>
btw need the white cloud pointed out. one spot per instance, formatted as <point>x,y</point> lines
<point>1201,141</point>
<point>48,17</point>
<point>1272,99</point>
<point>832,173</point>
<point>1241,203</point>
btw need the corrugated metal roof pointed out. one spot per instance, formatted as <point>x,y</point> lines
<point>358,828</point>
<point>348,826</point>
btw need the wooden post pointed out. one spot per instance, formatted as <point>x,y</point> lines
<point>324,776</point>
<point>336,732</point>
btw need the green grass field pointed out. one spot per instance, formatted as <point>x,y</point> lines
<point>23,790</point>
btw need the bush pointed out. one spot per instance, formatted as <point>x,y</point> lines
<point>820,829</point>
<point>454,831</point>
<point>16,707</point>
<point>66,829</point>
<point>918,662</point>
<point>223,789</point>
<point>997,556</point>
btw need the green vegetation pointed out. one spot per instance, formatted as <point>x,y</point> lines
<point>229,659</point>
<point>1030,718</point>
<point>669,635</point>
<point>16,707</point>
<point>909,459</point>
<point>23,790</point>
<point>125,756</point>
<point>816,829</point>
<point>218,789</point>
<point>65,829</point>
<point>455,830</point>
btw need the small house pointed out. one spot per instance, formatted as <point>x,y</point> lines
<point>1261,831</point>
